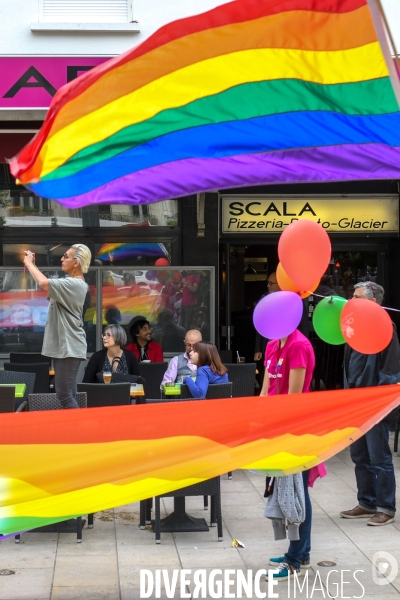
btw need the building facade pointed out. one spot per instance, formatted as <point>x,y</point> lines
<point>46,43</point>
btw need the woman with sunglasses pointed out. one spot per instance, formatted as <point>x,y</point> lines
<point>112,359</point>
<point>64,337</point>
<point>209,369</point>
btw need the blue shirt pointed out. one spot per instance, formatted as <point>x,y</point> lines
<point>204,377</point>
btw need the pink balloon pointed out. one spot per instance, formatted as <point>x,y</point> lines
<point>278,314</point>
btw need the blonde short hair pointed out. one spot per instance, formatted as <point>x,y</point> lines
<point>83,256</point>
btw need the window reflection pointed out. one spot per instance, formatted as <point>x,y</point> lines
<point>24,307</point>
<point>140,253</point>
<point>157,294</point>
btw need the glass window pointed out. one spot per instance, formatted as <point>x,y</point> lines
<point>158,213</point>
<point>161,296</point>
<point>21,208</point>
<point>24,307</point>
<point>132,254</point>
<point>46,255</point>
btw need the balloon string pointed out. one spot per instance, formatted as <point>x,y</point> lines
<point>387,308</point>
<point>319,296</point>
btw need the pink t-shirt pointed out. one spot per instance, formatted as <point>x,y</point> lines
<point>189,298</point>
<point>297,352</point>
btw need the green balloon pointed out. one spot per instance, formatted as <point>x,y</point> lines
<point>326,320</point>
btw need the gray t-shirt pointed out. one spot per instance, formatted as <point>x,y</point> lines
<point>64,335</point>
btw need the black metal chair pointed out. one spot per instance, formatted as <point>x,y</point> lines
<point>42,381</point>
<point>7,399</point>
<point>28,358</point>
<point>51,402</point>
<point>225,356</point>
<point>243,377</point>
<point>106,394</point>
<point>152,374</point>
<point>215,391</point>
<point>19,377</point>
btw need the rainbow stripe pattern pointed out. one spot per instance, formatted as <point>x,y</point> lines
<point>251,92</point>
<point>59,464</point>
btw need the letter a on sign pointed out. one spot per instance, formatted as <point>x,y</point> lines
<point>23,82</point>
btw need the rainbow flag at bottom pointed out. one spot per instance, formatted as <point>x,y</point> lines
<point>60,464</point>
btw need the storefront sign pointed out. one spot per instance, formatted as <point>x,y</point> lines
<point>31,82</point>
<point>340,215</point>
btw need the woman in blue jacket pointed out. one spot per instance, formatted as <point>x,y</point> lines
<point>209,369</point>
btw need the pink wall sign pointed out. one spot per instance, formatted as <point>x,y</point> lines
<point>31,82</point>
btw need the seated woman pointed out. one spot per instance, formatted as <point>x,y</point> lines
<point>112,358</point>
<point>209,369</point>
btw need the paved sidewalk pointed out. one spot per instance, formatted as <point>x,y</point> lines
<point>107,564</point>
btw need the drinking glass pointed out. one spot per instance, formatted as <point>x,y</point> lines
<point>107,377</point>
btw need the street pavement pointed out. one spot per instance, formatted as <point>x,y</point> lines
<point>108,563</point>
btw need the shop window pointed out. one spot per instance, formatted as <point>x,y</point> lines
<point>85,11</point>
<point>24,307</point>
<point>159,295</point>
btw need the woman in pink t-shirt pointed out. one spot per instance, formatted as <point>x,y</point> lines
<point>289,365</point>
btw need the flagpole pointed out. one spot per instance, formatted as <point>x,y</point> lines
<point>385,37</point>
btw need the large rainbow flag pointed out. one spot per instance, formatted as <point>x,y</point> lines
<point>59,464</point>
<point>251,92</point>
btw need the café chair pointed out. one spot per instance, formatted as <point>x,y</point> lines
<point>106,394</point>
<point>215,391</point>
<point>225,356</point>
<point>152,374</point>
<point>19,377</point>
<point>42,381</point>
<point>51,402</point>
<point>243,377</point>
<point>7,400</point>
<point>28,358</point>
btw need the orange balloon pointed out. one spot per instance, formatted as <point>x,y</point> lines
<point>305,251</point>
<point>286,284</point>
<point>366,326</point>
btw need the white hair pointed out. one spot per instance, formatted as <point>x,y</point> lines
<point>83,256</point>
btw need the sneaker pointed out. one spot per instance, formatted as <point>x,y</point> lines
<point>305,564</point>
<point>357,513</point>
<point>285,571</point>
<point>380,518</point>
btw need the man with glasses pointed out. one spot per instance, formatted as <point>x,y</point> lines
<point>180,366</point>
<point>371,454</point>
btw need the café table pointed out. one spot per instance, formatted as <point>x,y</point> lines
<point>179,520</point>
<point>19,388</point>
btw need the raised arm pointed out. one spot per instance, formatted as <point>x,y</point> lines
<point>41,280</point>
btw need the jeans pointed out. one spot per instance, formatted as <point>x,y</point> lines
<point>374,470</point>
<point>300,549</point>
<point>66,371</point>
